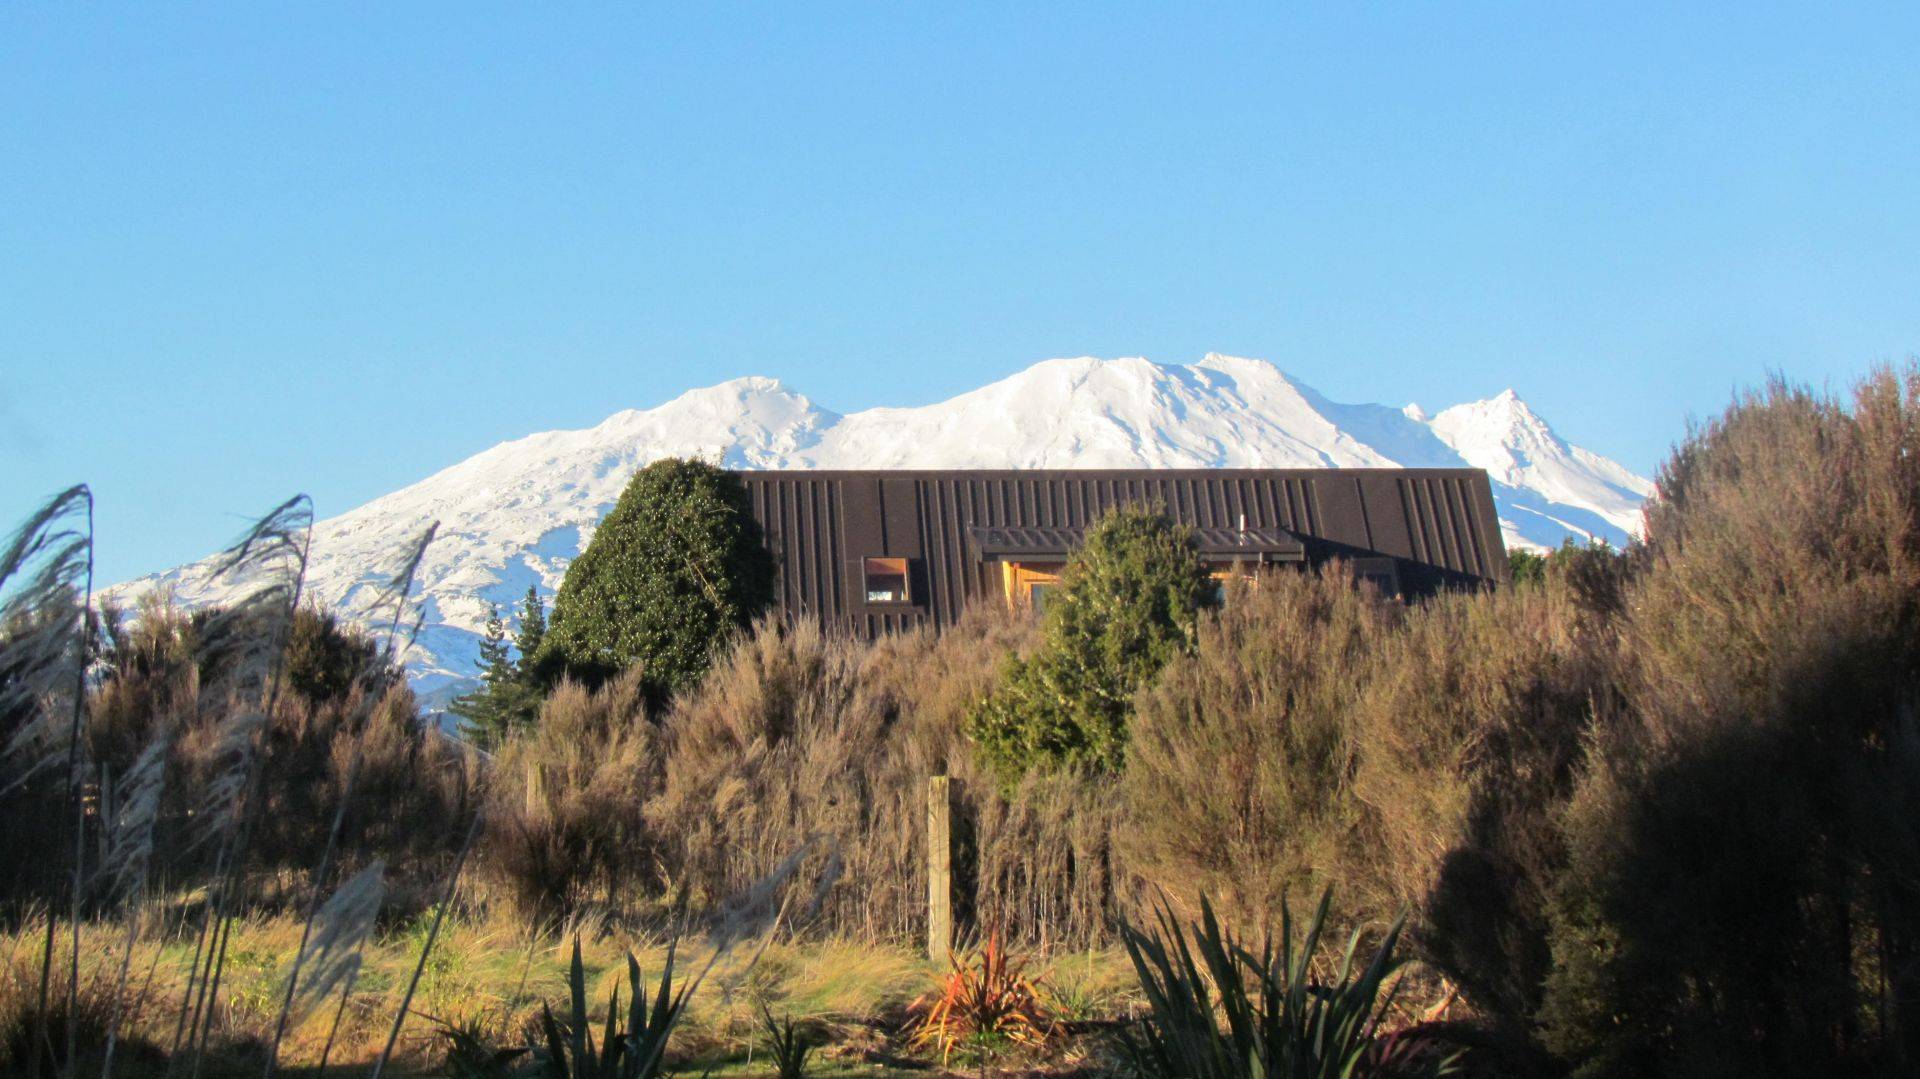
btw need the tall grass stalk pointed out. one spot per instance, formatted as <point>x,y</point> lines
<point>333,1029</point>
<point>124,868</point>
<point>45,563</point>
<point>340,932</point>
<point>426,948</point>
<point>395,594</point>
<point>278,546</point>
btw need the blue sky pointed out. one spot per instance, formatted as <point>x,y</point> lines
<point>247,251</point>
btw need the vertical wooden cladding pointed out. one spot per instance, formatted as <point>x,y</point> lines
<point>1451,524</point>
<point>805,529</point>
<point>821,524</point>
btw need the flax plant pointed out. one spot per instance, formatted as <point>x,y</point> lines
<point>637,1048</point>
<point>1224,1010</point>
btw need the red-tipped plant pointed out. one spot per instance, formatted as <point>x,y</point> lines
<point>987,996</point>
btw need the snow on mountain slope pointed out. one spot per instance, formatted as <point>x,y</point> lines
<point>1545,480</point>
<point>518,513</point>
<point>1088,413</point>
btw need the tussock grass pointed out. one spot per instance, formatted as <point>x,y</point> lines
<point>489,975</point>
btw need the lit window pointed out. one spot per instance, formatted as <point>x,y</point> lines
<point>886,580</point>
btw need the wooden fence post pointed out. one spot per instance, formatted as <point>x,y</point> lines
<point>939,869</point>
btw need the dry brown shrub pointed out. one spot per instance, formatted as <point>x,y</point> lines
<point>1046,864</point>
<point>155,682</point>
<point>1413,756</point>
<point>566,799</point>
<point>800,735</point>
<point>1036,862</point>
<point>775,748</point>
<point>1239,776</point>
<point>1470,732</point>
<point>415,793</point>
<point>159,681</point>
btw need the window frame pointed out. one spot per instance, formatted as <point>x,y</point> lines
<point>1383,573</point>
<point>904,596</point>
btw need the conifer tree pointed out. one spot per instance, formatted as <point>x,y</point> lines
<point>533,630</point>
<point>483,718</point>
<point>508,698</point>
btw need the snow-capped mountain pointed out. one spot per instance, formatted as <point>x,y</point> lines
<point>518,513</point>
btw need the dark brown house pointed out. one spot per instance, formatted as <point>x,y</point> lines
<point>880,551</point>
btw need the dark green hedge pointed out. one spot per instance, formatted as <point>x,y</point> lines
<point>672,571</point>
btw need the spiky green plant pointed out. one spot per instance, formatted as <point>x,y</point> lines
<point>471,1055</point>
<point>631,1047</point>
<point>788,1043</point>
<point>1223,1011</point>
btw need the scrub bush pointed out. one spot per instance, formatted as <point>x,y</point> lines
<point>1739,896</point>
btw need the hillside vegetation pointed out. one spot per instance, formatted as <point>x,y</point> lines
<point>1647,812</point>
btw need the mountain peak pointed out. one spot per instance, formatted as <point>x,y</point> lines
<point>1505,411</point>
<point>738,389</point>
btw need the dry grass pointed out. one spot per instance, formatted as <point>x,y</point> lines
<point>491,976</point>
<point>94,1009</point>
<point>798,737</point>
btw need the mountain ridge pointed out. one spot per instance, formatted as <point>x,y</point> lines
<point>517,513</point>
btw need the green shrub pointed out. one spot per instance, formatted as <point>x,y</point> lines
<point>676,568</point>
<point>1526,568</point>
<point>327,659</point>
<point>1128,602</point>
